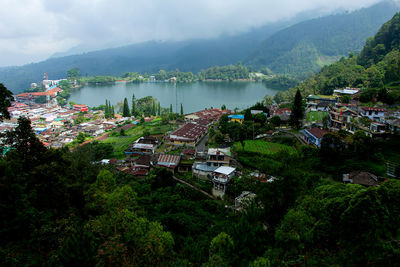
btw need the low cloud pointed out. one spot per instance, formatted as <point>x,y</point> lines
<point>32,30</point>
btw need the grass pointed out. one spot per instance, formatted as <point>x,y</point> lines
<point>121,143</point>
<point>316,115</point>
<point>263,147</point>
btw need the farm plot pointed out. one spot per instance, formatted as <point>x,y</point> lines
<point>263,147</point>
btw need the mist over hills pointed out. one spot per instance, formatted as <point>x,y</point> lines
<point>284,47</point>
<point>305,47</point>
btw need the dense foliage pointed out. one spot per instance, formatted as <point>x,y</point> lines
<point>377,66</point>
<point>305,47</point>
<point>225,73</point>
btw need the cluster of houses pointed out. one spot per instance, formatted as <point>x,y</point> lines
<point>56,126</point>
<point>213,164</point>
<point>374,121</point>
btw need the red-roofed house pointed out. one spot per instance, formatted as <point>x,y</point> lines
<point>313,135</point>
<point>283,113</point>
<point>80,108</point>
<point>168,161</point>
<point>30,96</point>
<point>188,135</point>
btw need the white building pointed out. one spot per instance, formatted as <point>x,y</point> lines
<point>221,177</point>
<point>375,114</point>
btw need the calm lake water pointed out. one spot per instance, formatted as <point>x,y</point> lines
<point>193,96</point>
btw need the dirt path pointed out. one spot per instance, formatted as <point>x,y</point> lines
<point>195,188</point>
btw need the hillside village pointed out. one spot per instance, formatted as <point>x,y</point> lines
<point>309,177</point>
<point>190,147</point>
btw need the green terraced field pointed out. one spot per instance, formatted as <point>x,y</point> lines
<point>121,143</point>
<point>263,147</point>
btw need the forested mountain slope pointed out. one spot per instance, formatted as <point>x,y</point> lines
<point>377,67</point>
<point>305,47</point>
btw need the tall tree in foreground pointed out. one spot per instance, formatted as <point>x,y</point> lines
<point>181,109</point>
<point>5,101</point>
<point>170,108</point>
<point>125,111</point>
<point>297,110</point>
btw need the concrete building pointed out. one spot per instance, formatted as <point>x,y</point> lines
<point>220,179</point>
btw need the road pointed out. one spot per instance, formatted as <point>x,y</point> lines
<point>201,146</point>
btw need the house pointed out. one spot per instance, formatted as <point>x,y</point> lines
<point>361,178</point>
<point>236,118</point>
<point>214,158</point>
<point>313,100</point>
<point>80,108</point>
<point>141,166</point>
<point>168,161</point>
<point>313,135</point>
<point>375,114</point>
<point>220,179</point>
<point>377,128</point>
<point>323,106</point>
<point>343,119</point>
<point>188,135</point>
<point>256,111</point>
<point>187,160</point>
<point>213,114</point>
<point>283,113</point>
<point>188,154</point>
<point>143,146</point>
<point>218,156</point>
<point>352,92</point>
<point>393,126</point>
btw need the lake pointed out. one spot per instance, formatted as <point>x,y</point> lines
<point>194,96</point>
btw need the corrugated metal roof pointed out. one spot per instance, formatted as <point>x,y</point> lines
<point>168,160</point>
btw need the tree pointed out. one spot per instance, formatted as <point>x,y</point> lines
<point>181,109</point>
<point>170,108</point>
<point>222,246</point>
<point>112,111</point>
<point>73,73</point>
<point>125,111</point>
<point>268,100</point>
<point>153,109</point>
<point>80,138</point>
<point>107,110</point>
<point>279,97</point>
<point>133,111</point>
<point>223,107</point>
<point>345,99</point>
<point>159,109</point>
<point>297,110</point>
<point>276,121</point>
<point>5,101</point>
<point>23,139</point>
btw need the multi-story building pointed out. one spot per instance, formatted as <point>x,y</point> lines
<point>375,114</point>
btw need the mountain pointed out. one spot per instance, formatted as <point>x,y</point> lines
<point>304,48</point>
<point>189,55</point>
<point>285,47</point>
<point>376,69</point>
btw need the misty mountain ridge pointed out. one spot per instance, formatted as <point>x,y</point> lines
<point>285,47</point>
<point>307,46</point>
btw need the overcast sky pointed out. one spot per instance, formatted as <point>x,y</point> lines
<point>32,30</point>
